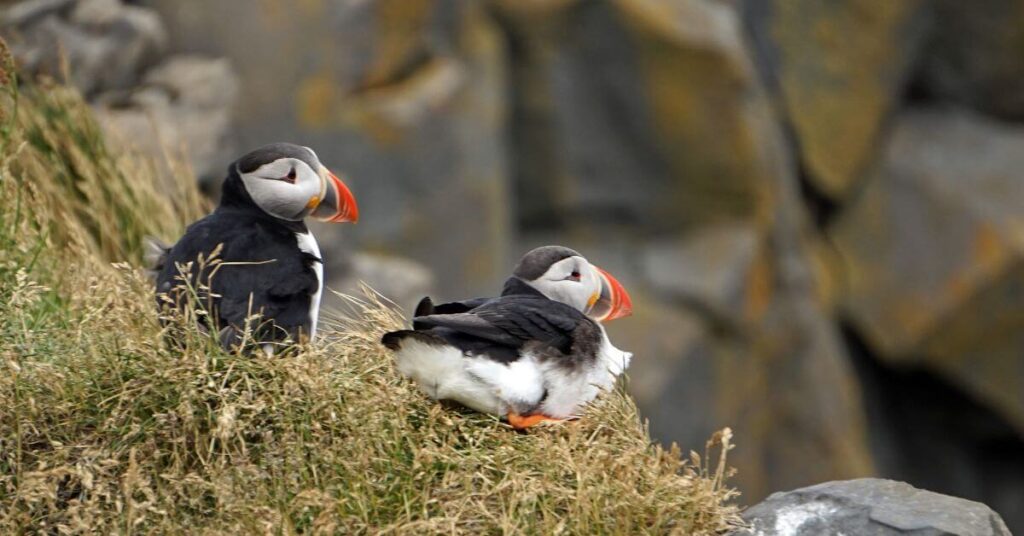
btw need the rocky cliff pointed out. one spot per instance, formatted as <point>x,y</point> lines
<point>818,204</point>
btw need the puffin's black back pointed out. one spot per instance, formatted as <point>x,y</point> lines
<point>514,286</point>
<point>262,269</point>
<point>500,327</point>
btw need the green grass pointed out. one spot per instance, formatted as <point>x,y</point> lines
<point>105,428</point>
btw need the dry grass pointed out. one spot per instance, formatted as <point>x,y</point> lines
<point>103,428</point>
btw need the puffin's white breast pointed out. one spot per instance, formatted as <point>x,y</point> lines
<point>307,244</point>
<point>444,372</point>
<point>441,373</point>
<point>570,389</point>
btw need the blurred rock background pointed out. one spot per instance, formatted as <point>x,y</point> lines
<point>818,205</point>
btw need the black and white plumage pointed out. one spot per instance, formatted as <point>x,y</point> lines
<point>558,273</point>
<point>266,260</point>
<point>532,354</point>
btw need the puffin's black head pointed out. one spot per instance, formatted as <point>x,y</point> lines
<point>565,276</point>
<point>288,181</point>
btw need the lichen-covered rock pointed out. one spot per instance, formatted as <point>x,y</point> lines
<point>786,377</point>
<point>633,112</point>
<point>106,44</point>
<point>974,57</point>
<point>741,339</point>
<point>840,68</point>
<point>869,507</point>
<point>934,254</point>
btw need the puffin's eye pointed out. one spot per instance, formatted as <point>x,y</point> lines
<point>575,275</point>
<point>290,179</point>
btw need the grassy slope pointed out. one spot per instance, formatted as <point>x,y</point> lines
<point>102,427</point>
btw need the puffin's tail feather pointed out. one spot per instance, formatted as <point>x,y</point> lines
<point>424,308</point>
<point>155,255</point>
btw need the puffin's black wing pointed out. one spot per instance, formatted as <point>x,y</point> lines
<point>513,287</point>
<point>259,269</point>
<point>277,283</point>
<point>513,321</point>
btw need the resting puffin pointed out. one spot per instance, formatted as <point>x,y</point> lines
<point>269,262</point>
<point>536,353</point>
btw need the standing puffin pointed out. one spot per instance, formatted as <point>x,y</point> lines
<point>536,353</point>
<point>267,262</point>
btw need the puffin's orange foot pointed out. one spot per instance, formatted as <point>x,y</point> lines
<point>521,422</point>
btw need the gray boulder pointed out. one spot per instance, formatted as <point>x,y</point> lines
<point>184,105</point>
<point>870,506</point>
<point>710,269</point>
<point>934,254</point>
<point>104,44</point>
<point>115,54</point>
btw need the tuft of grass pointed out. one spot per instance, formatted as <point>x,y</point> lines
<point>105,428</point>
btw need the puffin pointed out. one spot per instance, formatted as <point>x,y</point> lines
<point>254,255</point>
<point>536,353</point>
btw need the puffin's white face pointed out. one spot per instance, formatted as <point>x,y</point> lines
<point>572,281</point>
<point>287,188</point>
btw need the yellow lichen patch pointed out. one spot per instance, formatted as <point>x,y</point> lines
<point>989,254</point>
<point>839,88</point>
<point>759,288</point>
<point>317,99</point>
<point>911,318</point>
<point>958,288</point>
<point>828,270</point>
<point>401,31</point>
<point>989,248</point>
<point>703,96</point>
<point>310,8</point>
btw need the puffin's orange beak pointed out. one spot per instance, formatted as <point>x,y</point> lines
<point>614,301</point>
<point>338,205</point>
